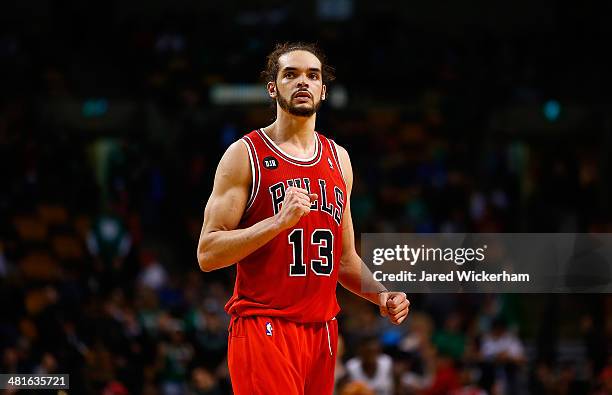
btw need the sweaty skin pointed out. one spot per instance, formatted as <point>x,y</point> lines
<point>299,89</point>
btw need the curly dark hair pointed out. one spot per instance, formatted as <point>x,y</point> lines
<point>272,66</point>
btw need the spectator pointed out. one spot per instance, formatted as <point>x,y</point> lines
<point>174,358</point>
<point>441,375</point>
<point>450,340</point>
<point>503,355</point>
<point>372,367</point>
<point>109,242</point>
<point>152,273</point>
<point>410,380</point>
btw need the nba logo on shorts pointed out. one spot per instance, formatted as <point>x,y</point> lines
<point>268,329</point>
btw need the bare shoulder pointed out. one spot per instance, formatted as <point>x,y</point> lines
<point>234,167</point>
<point>230,192</point>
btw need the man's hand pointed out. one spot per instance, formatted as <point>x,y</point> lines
<point>393,305</point>
<point>295,205</point>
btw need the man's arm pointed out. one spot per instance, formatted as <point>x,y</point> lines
<point>221,244</point>
<point>352,267</point>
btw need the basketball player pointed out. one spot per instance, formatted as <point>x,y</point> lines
<point>280,208</point>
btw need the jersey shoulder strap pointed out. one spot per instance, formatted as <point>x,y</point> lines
<point>252,141</point>
<point>333,149</point>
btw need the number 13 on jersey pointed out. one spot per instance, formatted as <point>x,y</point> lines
<point>324,239</point>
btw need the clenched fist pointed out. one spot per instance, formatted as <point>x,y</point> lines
<point>394,305</point>
<point>295,205</point>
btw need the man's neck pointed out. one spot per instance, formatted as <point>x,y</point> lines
<point>298,131</point>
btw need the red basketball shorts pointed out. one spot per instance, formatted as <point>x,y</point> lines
<point>273,356</point>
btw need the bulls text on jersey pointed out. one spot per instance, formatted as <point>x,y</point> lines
<point>334,207</point>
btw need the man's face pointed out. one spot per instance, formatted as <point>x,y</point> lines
<point>299,87</point>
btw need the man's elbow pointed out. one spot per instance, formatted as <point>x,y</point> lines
<point>205,262</point>
<point>209,256</point>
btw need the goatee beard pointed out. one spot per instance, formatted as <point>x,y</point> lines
<point>297,111</point>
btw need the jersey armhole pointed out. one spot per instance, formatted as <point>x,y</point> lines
<point>255,171</point>
<point>332,146</point>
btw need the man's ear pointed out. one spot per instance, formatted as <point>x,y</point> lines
<point>272,89</point>
<point>324,92</point>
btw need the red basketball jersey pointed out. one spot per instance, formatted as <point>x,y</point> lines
<point>293,276</point>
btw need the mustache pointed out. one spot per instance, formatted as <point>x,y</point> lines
<point>302,91</point>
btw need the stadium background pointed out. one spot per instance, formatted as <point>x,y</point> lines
<point>478,116</point>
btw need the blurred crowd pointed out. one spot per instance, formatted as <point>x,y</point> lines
<point>102,199</point>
